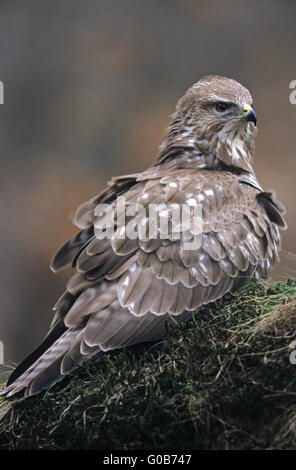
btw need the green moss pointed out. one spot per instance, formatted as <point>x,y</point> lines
<point>222,381</point>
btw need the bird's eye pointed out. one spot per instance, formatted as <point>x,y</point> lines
<point>221,106</point>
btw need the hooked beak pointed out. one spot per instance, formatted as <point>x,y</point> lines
<point>248,113</point>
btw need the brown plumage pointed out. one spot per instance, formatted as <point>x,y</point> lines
<point>124,290</point>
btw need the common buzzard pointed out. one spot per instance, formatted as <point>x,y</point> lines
<point>125,289</point>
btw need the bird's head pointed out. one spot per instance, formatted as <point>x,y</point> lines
<point>216,116</point>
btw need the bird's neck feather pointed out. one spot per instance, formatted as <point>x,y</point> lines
<point>232,147</point>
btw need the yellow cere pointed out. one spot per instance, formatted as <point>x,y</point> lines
<point>246,108</point>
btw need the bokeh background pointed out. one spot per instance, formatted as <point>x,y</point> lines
<point>89,86</point>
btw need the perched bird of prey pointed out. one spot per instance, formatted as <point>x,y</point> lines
<point>125,290</point>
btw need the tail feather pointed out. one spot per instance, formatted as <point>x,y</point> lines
<point>44,379</point>
<point>49,340</point>
<point>45,370</point>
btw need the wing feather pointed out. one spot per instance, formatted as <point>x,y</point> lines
<point>125,290</point>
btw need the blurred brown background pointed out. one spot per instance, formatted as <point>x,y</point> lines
<point>89,86</point>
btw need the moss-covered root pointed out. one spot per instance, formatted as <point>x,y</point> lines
<point>225,380</point>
